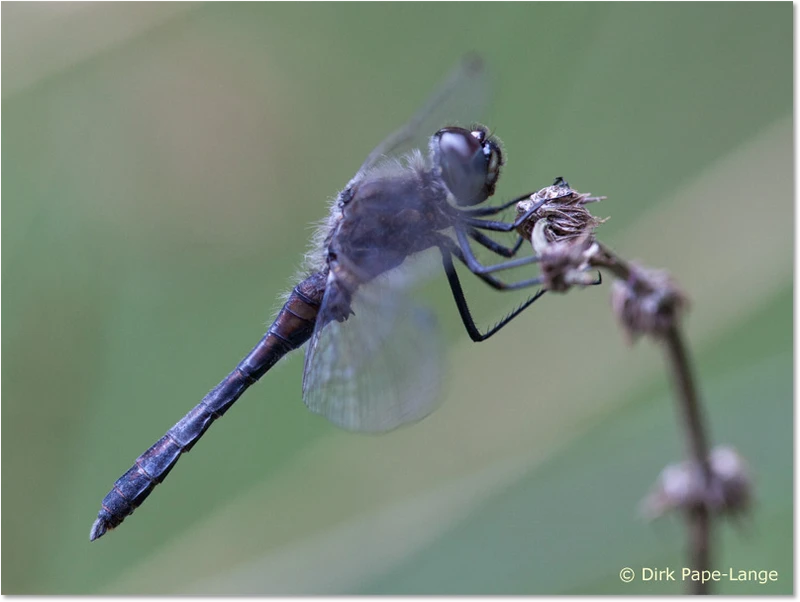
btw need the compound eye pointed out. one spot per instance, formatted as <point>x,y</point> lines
<point>457,144</point>
<point>464,162</point>
<point>493,167</point>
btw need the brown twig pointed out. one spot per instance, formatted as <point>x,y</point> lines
<point>646,302</point>
<point>654,309</point>
<point>698,517</point>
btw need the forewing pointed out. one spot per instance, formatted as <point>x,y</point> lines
<point>460,100</point>
<point>377,370</point>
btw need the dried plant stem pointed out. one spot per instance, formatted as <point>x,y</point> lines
<point>678,359</point>
<point>686,391</point>
<point>698,517</point>
<point>646,302</point>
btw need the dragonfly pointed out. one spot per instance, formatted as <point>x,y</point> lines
<point>371,363</point>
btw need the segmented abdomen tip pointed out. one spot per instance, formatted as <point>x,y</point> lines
<point>99,529</point>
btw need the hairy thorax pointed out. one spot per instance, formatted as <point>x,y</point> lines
<point>385,220</point>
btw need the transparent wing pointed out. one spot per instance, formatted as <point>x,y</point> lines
<point>460,100</point>
<point>380,368</point>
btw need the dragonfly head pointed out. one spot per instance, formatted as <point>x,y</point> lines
<point>470,162</point>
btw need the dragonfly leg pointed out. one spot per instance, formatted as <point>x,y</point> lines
<point>481,211</point>
<point>495,246</point>
<point>496,226</point>
<point>461,302</point>
<point>468,257</point>
<point>448,245</point>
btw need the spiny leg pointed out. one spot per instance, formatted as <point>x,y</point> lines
<point>495,246</point>
<point>496,226</point>
<point>446,244</point>
<point>481,211</point>
<point>463,309</point>
<point>468,257</point>
<point>484,272</point>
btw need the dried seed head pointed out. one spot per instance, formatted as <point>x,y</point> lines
<point>683,486</point>
<point>564,263</point>
<point>561,231</point>
<point>563,210</point>
<point>734,480</point>
<point>648,302</point>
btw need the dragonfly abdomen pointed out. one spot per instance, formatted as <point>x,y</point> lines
<point>292,327</point>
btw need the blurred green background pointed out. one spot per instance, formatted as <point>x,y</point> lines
<point>162,165</point>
